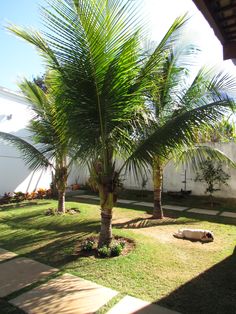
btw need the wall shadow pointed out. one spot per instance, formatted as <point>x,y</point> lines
<point>13,169</point>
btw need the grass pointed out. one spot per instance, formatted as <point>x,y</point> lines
<point>189,277</point>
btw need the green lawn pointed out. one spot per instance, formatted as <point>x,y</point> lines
<point>186,276</point>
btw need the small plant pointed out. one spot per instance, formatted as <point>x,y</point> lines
<point>7,198</point>
<point>19,197</point>
<point>104,251</point>
<point>41,193</point>
<point>116,249</point>
<point>213,175</point>
<point>88,245</point>
<point>50,212</point>
<point>31,196</point>
<point>122,243</point>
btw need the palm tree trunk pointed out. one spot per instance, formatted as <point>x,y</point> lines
<point>107,204</point>
<point>61,181</point>
<point>157,186</point>
<point>61,202</point>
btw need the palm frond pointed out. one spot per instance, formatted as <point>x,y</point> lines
<point>177,131</point>
<point>193,157</point>
<point>32,156</point>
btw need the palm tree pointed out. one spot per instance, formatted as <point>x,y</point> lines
<point>99,78</point>
<point>51,147</point>
<point>176,90</point>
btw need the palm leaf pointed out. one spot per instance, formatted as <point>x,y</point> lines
<point>194,156</point>
<point>32,156</point>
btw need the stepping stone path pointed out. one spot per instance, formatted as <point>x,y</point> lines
<point>170,207</point>
<point>129,305</point>
<point>174,207</point>
<point>21,272</point>
<point>228,214</point>
<point>86,196</point>
<point>125,201</point>
<point>65,294</point>
<point>5,255</point>
<point>147,204</point>
<point>203,211</point>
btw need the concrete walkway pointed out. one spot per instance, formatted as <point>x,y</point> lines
<point>65,294</point>
<point>169,207</point>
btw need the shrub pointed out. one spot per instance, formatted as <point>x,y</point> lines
<point>41,193</point>
<point>104,251</point>
<point>19,197</point>
<point>88,245</point>
<point>50,212</point>
<point>116,249</point>
<point>122,243</point>
<point>7,198</point>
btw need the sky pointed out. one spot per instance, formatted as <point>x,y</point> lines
<point>18,59</point>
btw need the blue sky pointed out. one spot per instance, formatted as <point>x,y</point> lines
<point>18,59</point>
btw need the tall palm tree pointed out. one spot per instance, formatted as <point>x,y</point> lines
<point>176,90</point>
<point>99,75</point>
<point>50,146</point>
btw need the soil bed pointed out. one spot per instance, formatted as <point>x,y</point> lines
<point>79,249</point>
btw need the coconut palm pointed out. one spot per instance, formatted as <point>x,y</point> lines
<point>50,147</point>
<point>176,90</point>
<point>99,76</point>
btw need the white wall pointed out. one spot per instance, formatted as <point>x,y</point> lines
<point>174,176</point>
<point>14,175</point>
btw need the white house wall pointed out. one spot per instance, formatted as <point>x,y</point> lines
<point>15,176</point>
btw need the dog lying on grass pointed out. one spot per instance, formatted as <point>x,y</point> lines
<point>195,234</point>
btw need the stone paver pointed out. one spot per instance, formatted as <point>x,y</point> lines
<point>147,204</point>
<point>5,255</point>
<point>86,196</point>
<point>204,211</point>
<point>174,207</point>
<point>67,294</point>
<point>228,214</point>
<point>129,305</point>
<point>21,272</point>
<point>125,201</point>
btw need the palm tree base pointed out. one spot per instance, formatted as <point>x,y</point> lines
<point>157,214</point>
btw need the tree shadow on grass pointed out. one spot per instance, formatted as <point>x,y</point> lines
<point>54,249</point>
<point>130,206</point>
<point>139,223</point>
<point>60,251</point>
<point>15,206</point>
<point>212,292</point>
<point>50,223</point>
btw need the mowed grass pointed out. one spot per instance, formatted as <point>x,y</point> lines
<point>186,276</point>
